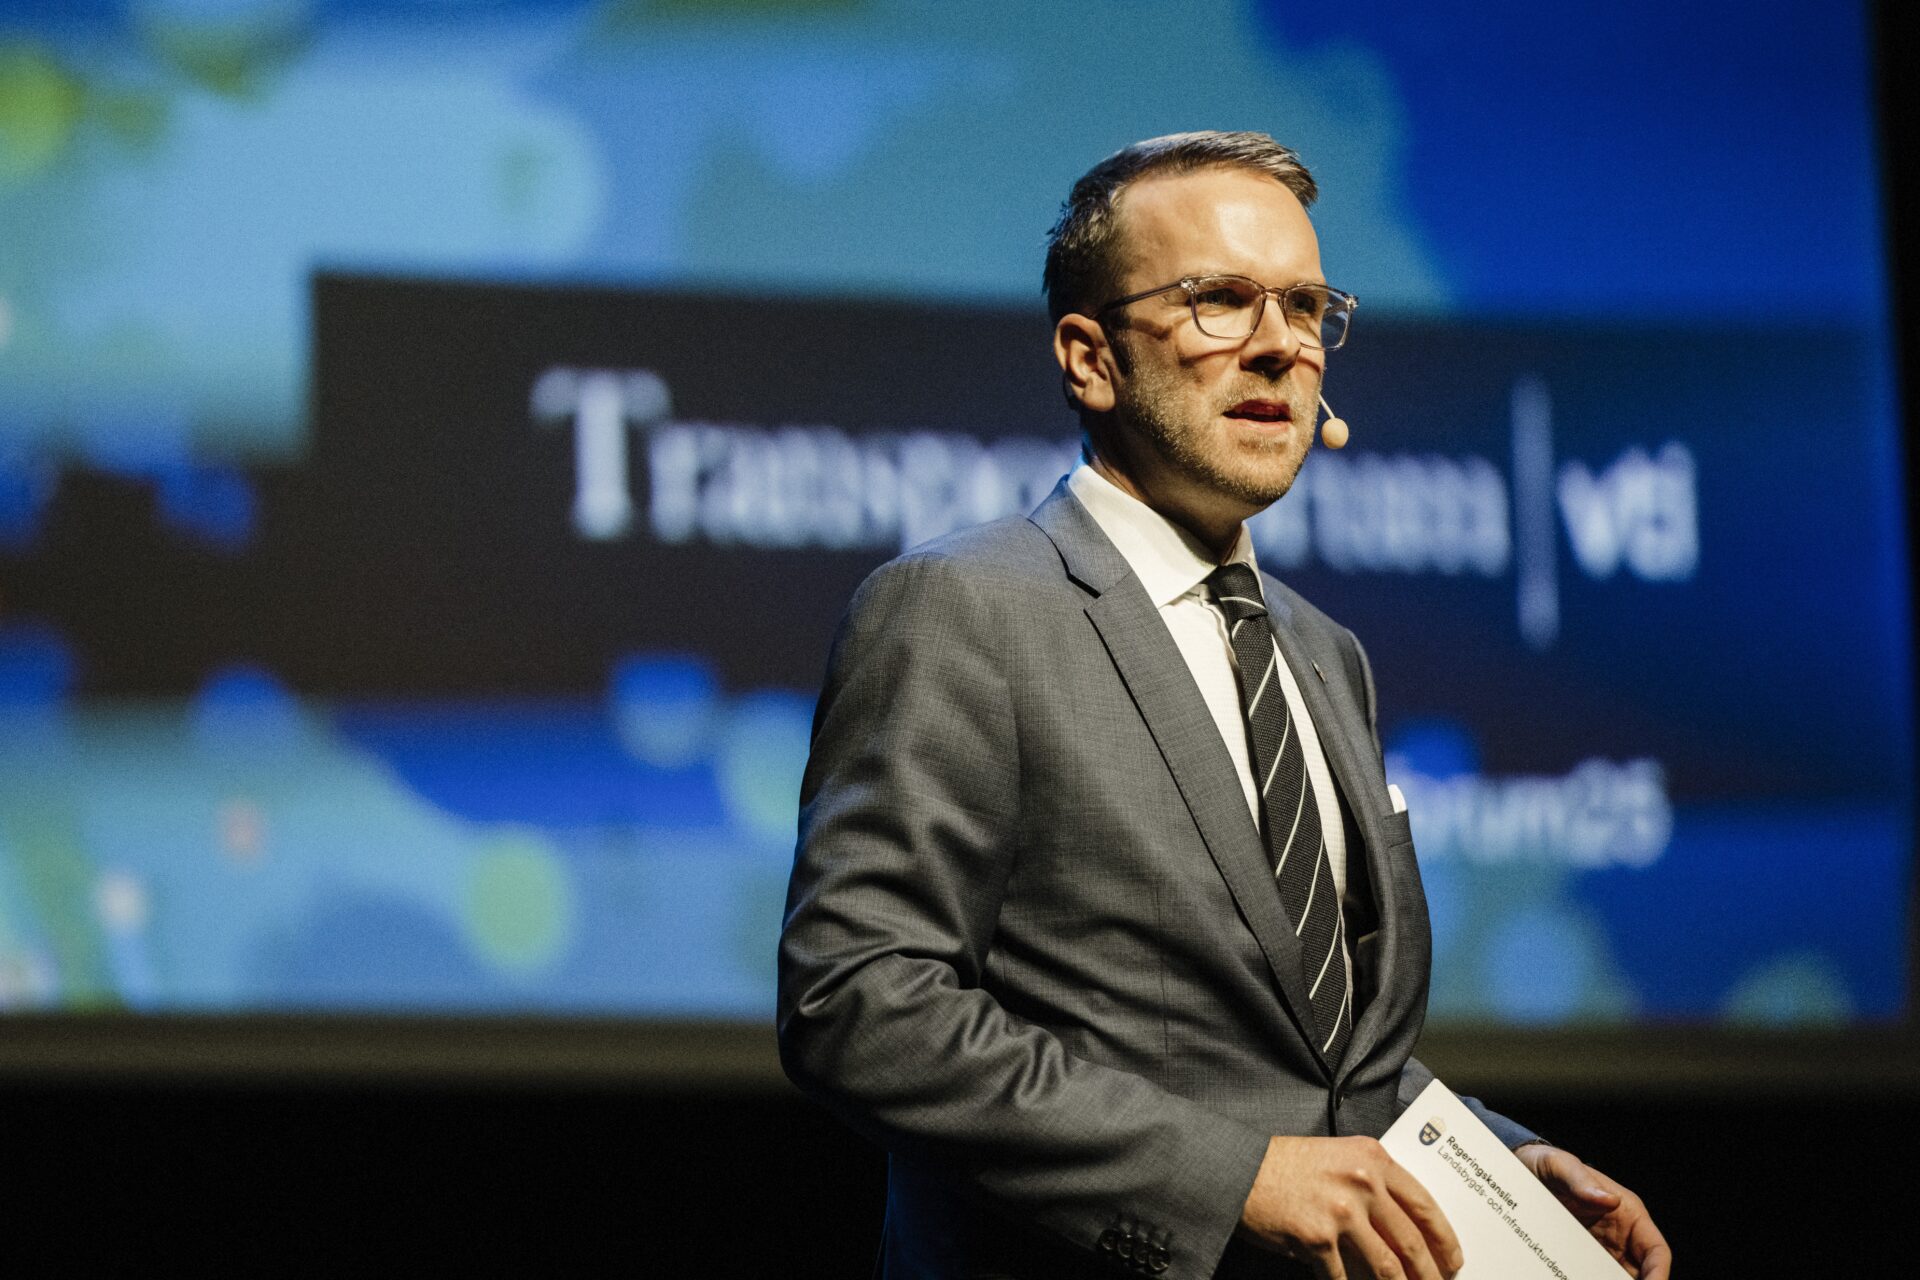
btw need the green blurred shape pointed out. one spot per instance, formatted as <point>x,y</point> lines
<point>40,106</point>
<point>1798,989</point>
<point>136,119</point>
<point>762,755</point>
<point>519,903</point>
<point>232,55</point>
<point>58,879</point>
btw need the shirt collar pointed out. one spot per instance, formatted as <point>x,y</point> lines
<point>1169,561</point>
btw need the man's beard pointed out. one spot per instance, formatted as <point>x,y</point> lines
<point>1255,472</point>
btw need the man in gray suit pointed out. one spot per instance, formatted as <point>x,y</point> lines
<point>1042,942</point>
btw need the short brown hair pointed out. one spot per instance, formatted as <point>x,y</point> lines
<point>1082,249</point>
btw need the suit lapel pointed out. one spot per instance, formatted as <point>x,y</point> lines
<point>1157,677</point>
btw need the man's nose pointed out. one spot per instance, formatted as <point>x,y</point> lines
<point>1273,340</point>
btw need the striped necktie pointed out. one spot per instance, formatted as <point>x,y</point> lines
<point>1291,820</point>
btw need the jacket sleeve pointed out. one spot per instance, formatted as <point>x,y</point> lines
<point>1415,1076</point>
<point>909,832</point>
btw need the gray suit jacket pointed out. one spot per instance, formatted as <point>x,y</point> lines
<point>1032,944</point>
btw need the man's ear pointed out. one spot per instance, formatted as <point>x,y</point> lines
<point>1086,363</point>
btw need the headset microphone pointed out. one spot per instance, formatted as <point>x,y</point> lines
<point>1333,432</point>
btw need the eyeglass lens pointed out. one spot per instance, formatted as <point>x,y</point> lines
<point>1230,307</point>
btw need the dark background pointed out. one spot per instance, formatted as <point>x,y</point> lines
<point>121,1173</point>
<point>398,1180</point>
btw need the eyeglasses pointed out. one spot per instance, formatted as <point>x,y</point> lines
<point>1230,307</point>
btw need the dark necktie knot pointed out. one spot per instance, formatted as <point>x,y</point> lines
<point>1236,589</point>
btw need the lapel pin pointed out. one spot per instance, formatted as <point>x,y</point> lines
<point>1317,671</point>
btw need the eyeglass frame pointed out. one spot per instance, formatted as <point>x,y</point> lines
<point>1276,291</point>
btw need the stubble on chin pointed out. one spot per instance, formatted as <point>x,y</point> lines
<point>1257,472</point>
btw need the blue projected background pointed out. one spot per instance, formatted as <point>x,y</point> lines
<point>379,378</point>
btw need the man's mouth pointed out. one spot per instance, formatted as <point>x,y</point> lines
<point>1262,411</point>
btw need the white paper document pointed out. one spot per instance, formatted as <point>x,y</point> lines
<point>1510,1227</point>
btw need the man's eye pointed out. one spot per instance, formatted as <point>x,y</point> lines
<point>1221,298</point>
<point>1311,303</point>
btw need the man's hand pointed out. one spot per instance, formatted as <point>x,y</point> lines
<point>1615,1216</point>
<point>1344,1207</point>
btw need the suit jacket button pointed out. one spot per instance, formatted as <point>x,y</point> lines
<point>1109,1240</point>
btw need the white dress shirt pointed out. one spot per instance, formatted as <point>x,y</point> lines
<point>1173,567</point>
